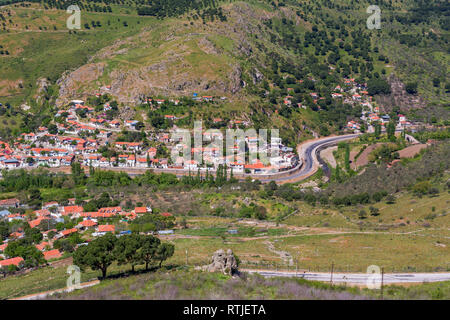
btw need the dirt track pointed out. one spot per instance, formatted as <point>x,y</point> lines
<point>411,151</point>
<point>363,158</point>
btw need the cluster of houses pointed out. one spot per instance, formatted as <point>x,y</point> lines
<point>211,157</point>
<point>354,93</point>
<point>52,213</point>
<point>351,92</point>
<point>372,116</point>
<point>70,144</point>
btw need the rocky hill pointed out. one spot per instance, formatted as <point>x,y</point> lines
<point>254,53</point>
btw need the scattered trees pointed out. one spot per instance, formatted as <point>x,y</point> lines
<point>134,249</point>
<point>411,87</point>
<point>378,86</point>
<point>99,254</point>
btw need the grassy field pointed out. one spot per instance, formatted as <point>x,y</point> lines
<point>41,39</point>
<point>316,237</point>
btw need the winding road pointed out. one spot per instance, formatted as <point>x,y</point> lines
<point>308,153</point>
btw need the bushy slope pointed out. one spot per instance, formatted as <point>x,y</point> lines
<point>253,52</point>
<point>194,285</point>
<point>189,285</point>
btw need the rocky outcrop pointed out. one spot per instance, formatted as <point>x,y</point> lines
<point>399,97</point>
<point>222,262</point>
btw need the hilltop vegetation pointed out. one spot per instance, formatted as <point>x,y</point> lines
<point>255,53</point>
<point>194,285</point>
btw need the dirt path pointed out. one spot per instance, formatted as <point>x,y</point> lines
<point>327,155</point>
<point>44,294</point>
<point>411,151</point>
<point>285,256</point>
<point>363,159</point>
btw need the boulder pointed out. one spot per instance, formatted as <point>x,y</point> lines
<point>222,262</point>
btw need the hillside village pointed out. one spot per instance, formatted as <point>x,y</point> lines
<point>82,134</point>
<point>83,141</point>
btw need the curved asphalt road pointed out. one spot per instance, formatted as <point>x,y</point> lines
<point>309,155</point>
<point>360,278</point>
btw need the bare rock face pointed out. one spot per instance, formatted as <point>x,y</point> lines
<point>222,262</point>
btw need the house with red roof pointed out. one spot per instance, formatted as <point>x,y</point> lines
<point>10,203</point>
<point>113,210</point>
<point>34,223</point>
<point>49,205</point>
<point>42,213</point>
<point>17,261</point>
<point>52,254</point>
<point>71,210</point>
<point>41,246</point>
<point>140,210</point>
<point>85,224</point>
<point>3,247</point>
<point>106,228</point>
<point>166,214</point>
<point>17,235</point>
<point>68,232</point>
<point>255,167</point>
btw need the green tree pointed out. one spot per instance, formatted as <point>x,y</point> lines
<point>99,254</point>
<point>347,157</point>
<point>78,175</point>
<point>148,249</point>
<point>391,131</point>
<point>374,211</point>
<point>126,250</point>
<point>164,252</point>
<point>29,253</point>
<point>377,128</point>
<point>362,214</point>
<point>411,87</point>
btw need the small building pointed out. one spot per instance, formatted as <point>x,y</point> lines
<point>164,232</point>
<point>52,254</point>
<point>106,228</point>
<point>17,261</point>
<point>4,213</point>
<point>10,203</point>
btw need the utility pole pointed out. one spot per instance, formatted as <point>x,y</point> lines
<point>332,268</point>
<point>382,280</point>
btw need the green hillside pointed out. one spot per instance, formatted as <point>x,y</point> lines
<point>253,52</point>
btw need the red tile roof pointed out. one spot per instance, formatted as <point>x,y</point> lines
<point>34,223</point>
<point>15,261</point>
<point>166,214</point>
<point>72,209</point>
<point>9,202</point>
<point>52,254</point>
<point>140,210</point>
<point>88,223</point>
<point>41,246</point>
<point>68,231</point>
<point>106,228</point>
